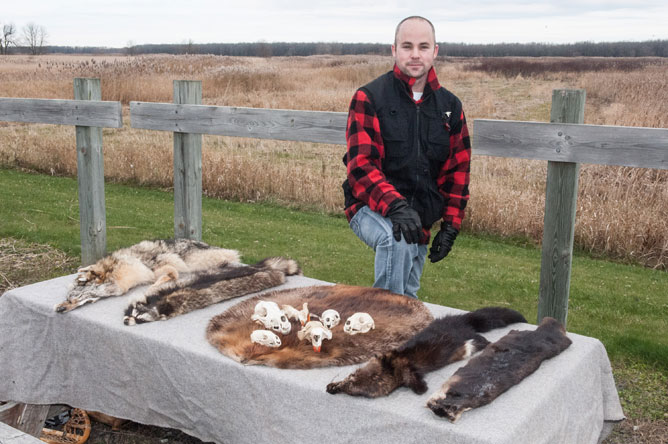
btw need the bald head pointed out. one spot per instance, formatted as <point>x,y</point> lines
<point>415,17</point>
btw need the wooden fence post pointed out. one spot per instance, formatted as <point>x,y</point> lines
<point>187,168</point>
<point>90,175</point>
<point>560,203</point>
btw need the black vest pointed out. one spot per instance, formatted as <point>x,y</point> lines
<point>416,140</point>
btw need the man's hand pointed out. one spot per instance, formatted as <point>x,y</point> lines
<point>405,220</point>
<point>442,243</point>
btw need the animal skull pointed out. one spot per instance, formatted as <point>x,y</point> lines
<point>268,314</point>
<point>265,337</point>
<point>315,332</point>
<point>330,318</point>
<point>302,315</point>
<point>358,323</point>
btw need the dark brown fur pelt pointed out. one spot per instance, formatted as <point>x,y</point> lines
<point>501,365</point>
<point>396,317</point>
<point>199,290</point>
<point>445,340</point>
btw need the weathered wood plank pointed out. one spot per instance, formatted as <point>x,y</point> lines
<point>28,418</point>
<point>90,177</point>
<point>62,112</point>
<point>187,169</point>
<point>10,435</point>
<point>559,224</point>
<point>563,142</point>
<point>295,125</point>
<point>10,412</point>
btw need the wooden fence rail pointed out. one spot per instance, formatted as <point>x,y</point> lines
<point>278,124</point>
<point>564,143</point>
<point>62,112</point>
<point>561,142</point>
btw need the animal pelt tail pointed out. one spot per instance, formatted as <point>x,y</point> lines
<point>489,318</point>
<point>205,288</point>
<point>287,266</point>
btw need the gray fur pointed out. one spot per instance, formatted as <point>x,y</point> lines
<point>202,289</point>
<point>148,262</point>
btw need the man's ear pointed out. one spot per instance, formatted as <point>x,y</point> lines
<point>435,50</point>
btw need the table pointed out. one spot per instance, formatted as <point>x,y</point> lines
<point>166,374</point>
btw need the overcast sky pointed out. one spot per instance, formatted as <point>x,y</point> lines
<point>118,23</point>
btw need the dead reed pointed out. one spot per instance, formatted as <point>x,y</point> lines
<point>622,212</point>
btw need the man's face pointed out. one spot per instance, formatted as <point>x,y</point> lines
<point>414,50</point>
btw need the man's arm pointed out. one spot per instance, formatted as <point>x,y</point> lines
<point>364,156</point>
<point>453,180</point>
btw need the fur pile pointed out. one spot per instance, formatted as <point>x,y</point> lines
<point>445,340</point>
<point>184,274</point>
<point>148,262</point>
<point>397,319</point>
<point>205,288</point>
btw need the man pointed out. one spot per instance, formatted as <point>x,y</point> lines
<point>408,162</point>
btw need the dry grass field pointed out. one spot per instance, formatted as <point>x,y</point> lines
<point>622,212</point>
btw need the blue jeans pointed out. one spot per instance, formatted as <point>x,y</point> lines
<point>398,265</point>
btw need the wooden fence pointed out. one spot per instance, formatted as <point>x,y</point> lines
<point>563,143</point>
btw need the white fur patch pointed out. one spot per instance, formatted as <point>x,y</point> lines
<point>469,349</point>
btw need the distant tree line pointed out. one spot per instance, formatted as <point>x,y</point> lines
<point>650,48</point>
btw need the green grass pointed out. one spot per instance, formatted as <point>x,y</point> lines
<point>626,307</point>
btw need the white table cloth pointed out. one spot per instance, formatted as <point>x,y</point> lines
<point>167,374</point>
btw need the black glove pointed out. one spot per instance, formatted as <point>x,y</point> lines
<point>442,243</point>
<point>405,220</point>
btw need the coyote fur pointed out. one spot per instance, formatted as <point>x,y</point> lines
<point>205,288</point>
<point>397,318</point>
<point>445,340</point>
<point>500,366</point>
<point>148,262</point>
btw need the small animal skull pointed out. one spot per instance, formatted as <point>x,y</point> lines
<point>358,323</point>
<point>315,332</point>
<point>268,314</point>
<point>265,337</point>
<point>297,315</point>
<point>330,318</point>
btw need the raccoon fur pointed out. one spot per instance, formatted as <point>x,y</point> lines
<point>202,289</point>
<point>501,365</point>
<point>148,262</point>
<point>443,341</point>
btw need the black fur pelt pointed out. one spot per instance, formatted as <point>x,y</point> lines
<point>500,366</point>
<point>443,341</point>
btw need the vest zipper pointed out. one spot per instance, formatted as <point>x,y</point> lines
<point>417,158</point>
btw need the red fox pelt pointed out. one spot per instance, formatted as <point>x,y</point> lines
<point>445,340</point>
<point>148,262</point>
<point>397,318</point>
<point>501,365</point>
<point>205,288</point>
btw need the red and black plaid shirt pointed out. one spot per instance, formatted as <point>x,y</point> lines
<point>366,153</point>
